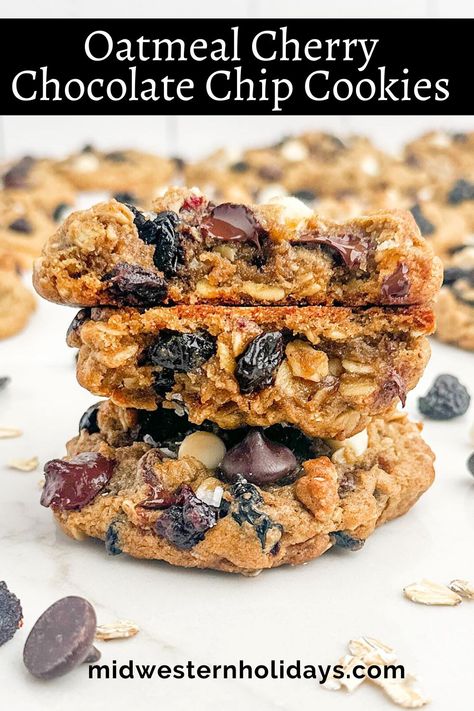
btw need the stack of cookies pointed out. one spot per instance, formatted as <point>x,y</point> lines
<point>252,357</point>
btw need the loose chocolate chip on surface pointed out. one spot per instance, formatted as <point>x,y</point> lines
<point>344,540</point>
<point>461,191</point>
<point>21,225</point>
<point>354,250</point>
<point>182,352</point>
<point>73,484</point>
<point>233,223</point>
<point>258,460</point>
<point>396,285</point>
<point>257,365</point>
<point>88,420</point>
<point>132,285</point>
<point>61,638</point>
<point>17,176</point>
<point>11,614</point>
<point>426,227</point>
<point>447,398</point>
<point>185,523</point>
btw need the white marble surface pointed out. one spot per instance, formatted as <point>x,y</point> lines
<point>308,612</point>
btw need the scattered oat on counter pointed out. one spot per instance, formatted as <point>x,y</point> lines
<point>367,651</point>
<point>426,592</point>
<point>24,465</point>
<point>121,629</point>
<point>463,588</point>
<point>9,432</point>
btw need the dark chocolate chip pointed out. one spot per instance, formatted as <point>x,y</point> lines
<point>258,460</point>
<point>61,638</point>
<point>396,285</point>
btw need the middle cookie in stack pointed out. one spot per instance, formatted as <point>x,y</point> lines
<point>328,335</point>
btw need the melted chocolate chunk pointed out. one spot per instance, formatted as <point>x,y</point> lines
<point>74,484</point>
<point>396,285</point>
<point>233,223</point>
<point>354,250</point>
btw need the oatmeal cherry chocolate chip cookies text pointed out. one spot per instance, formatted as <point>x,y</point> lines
<point>324,369</point>
<point>164,504</point>
<point>189,250</point>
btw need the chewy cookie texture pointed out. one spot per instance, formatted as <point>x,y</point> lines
<point>323,369</point>
<point>154,485</point>
<point>189,250</point>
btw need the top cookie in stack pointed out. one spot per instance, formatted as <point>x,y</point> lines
<point>190,250</point>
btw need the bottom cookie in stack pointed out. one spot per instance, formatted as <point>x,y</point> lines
<point>154,485</point>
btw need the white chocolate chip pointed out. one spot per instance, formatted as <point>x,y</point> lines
<point>294,151</point>
<point>370,166</point>
<point>358,443</point>
<point>210,491</point>
<point>86,163</point>
<point>206,447</point>
<point>291,208</point>
<point>272,191</point>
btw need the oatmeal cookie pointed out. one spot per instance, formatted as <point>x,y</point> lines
<point>311,167</point>
<point>324,369</point>
<point>24,228</point>
<point>192,251</point>
<point>131,175</point>
<point>444,157</point>
<point>17,303</point>
<point>455,304</point>
<point>192,497</point>
<point>38,181</point>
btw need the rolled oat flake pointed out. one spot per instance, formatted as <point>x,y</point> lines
<point>61,638</point>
